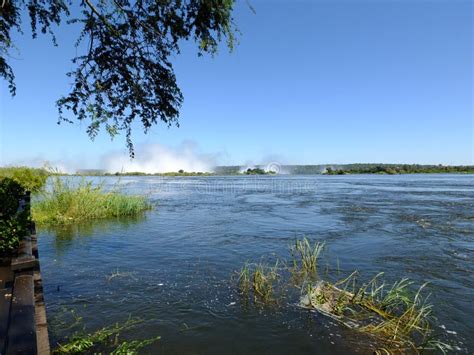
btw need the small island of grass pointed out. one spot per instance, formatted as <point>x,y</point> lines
<point>65,203</point>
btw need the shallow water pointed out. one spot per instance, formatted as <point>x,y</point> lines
<point>173,267</point>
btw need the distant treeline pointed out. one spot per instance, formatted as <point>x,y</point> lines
<point>398,169</point>
<point>96,172</point>
<point>328,169</point>
<point>340,169</point>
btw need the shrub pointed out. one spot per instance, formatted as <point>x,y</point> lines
<point>31,179</point>
<point>13,225</point>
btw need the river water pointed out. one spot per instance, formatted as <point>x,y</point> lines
<point>173,267</point>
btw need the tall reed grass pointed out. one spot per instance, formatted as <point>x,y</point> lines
<point>260,279</point>
<point>67,201</point>
<point>305,258</point>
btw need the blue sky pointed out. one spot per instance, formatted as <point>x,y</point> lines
<point>310,82</point>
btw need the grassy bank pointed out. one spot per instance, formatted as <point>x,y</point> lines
<point>67,202</point>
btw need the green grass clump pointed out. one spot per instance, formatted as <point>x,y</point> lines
<point>260,279</point>
<point>30,178</point>
<point>66,203</point>
<point>305,256</point>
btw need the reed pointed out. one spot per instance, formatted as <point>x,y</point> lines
<point>305,256</point>
<point>244,280</point>
<point>264,278</point>
<point>399,317</point>
<point>65,202</point>
<point>259,279</point>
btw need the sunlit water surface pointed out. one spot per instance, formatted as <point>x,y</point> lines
<point>173,267</point>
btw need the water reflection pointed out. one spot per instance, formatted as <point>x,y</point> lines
<point>65,234</point>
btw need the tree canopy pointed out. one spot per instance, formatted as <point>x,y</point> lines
<point>123,71</point>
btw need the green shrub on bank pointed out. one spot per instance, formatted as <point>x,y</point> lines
<point>30,178</point>
<point>13,225</point>
<point>66,202</point>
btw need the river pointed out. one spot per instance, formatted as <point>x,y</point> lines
<point>173,267</point>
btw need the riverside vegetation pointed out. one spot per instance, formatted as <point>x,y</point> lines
<point>65,201</point>
<point>14,221</point>
<point>392,169</point>
<point>339,169</point>
<point>62,202</point>
<point>397,316</point>
<point>31,179</point>
<point>68,202</point>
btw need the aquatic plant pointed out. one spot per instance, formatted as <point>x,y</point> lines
<point>400,319</point>
<point>65,202</point>
<point>106,337</point>
<point>396,315</point>
<point>260,279</point>
<point>263,279</point>
<point>305,256</point>
<point>244,280</point>
<point>132,347</point>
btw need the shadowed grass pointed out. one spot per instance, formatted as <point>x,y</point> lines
<point>66,203</point>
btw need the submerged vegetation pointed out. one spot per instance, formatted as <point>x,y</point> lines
<point>397,316</point>
<point>106,338</point>
<point>260,280</point>
<point>66,202</point>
